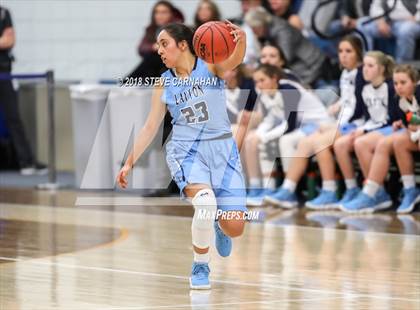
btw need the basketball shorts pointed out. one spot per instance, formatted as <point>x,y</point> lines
<point>388,130</point>
<point>309,128</point>
<point>347,128</point>
<point>213,162</point>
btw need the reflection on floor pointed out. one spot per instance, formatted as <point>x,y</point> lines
<point>60,256</point>
<point>389,221</point>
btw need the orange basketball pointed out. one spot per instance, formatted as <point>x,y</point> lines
<point>213,42</point>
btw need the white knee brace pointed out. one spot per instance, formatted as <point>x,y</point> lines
<point>205,206</point>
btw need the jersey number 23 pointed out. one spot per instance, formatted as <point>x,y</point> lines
<point>192,114</point>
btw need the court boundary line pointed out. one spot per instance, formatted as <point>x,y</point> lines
<point>222,304</point>
<point>123,235</point>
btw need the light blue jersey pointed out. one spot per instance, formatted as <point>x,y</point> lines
<point>202,150</point>
<point>197,106</point>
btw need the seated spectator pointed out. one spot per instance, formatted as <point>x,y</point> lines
<point>322,20</point>
<point>350,12</point>
<point>323,17</point>
<point>280,99</point>
<point>402,22</point>
<point>303,57</point>
<point>344,21</point>
<point>240,93</point>
<point>247,5</point>
<point>163,13</point>
<point>206,11</point>
<point>240,102</point>
<point>285,10</point>
<point>253,48</point>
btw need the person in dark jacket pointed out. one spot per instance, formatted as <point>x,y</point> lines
<point>305,59</point>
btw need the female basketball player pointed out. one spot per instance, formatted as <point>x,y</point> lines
<point>400,143</point>
<point>280,96</point>
<point>382,111</point>
<point>349,110</point>
<point>202,155</point>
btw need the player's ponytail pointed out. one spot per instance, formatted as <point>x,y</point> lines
<point>180,32</point>
<point>389,66</point>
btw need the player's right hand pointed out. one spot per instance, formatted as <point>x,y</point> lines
<point>236,31</point>
<point>122,176</point>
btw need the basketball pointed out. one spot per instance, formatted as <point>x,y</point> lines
<point>213,42</point>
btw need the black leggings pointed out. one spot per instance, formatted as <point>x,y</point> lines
<point>10,110</point>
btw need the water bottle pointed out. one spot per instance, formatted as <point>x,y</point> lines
<point>412,118</point>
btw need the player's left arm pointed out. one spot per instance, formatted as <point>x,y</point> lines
<point>237,56</point>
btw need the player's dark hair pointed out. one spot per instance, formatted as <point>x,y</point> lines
<point>271,71</point>
<point>356,44</point>
<point>180,32</point>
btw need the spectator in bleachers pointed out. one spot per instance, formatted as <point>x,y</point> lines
<point>350,12</point>
<point>206,11</point>
<point>253,48</point>
<point>402,23</point>
<point>151,65</point>
<point>302,56</point>
<point>240,102</point>
<point>9,103</point>
<point>240,93</point>
<point>348,111</point>
<point>247,5</point>
<point>334,20</point>
<point>323,18</point>
<point>273,55</point>
<point>285,10</point>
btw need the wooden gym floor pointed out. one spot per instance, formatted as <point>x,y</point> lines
<point>107,251</point>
